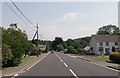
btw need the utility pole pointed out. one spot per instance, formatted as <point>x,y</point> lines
<point>37,40</point>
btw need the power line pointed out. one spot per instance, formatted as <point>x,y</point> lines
<point>22,13</point>
<point>31,29</point>
<point>15,13</point>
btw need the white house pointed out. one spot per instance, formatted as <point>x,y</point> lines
<point>104,44</point>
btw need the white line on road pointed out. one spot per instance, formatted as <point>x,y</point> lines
<point>65,64</point>
<point>61,60</point>
<point>37,62</point>
<point>73,73</point>
<point>16,74</point>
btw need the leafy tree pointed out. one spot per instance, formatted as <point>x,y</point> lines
<point>109,29</point>
<point>17,41</point>
<point>57,41</point>
<point>70,49</point>
<point>83,42</point>
<point>60,47</point>
<point>70,42</point>
<point>6,55</point>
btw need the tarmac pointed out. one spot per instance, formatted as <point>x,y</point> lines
<point>97,62</point>
<point>22,67</point>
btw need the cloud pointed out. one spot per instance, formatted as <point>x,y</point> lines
<point>69,17</point>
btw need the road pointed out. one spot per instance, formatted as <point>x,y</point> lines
<point>59,64</point>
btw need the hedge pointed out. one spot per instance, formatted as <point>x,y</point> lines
<point>115,57</point>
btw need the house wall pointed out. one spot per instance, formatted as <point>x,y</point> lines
<point>93,44</point>
<point>111,44</point>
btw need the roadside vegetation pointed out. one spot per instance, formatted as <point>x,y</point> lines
<point>77,46</point>
<point>15,45</point>
<point>115,57</point>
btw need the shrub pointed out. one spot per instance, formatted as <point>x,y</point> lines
<point>6,55</point>
<point>33,50</point>
<point>118,50</point>
<point>80,51</point>
<point>89,53</point>
<point>115,57</point>
<point>70,49</point>
<point>18,42</point>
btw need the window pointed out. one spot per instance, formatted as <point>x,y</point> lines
<point>116,43</point>
<point>100,44</point>
<point>107,43</point>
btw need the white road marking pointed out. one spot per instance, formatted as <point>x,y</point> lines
<point>73,73</point>
<point>37,62</point>
<point>16,74</point>
<point>65,64</point>
<point>98,65</point>
<point>61,60</point>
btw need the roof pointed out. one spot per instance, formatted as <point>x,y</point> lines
<point>110,38</point>
<point>87,48</point>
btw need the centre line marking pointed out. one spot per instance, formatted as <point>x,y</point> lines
<point>73,73</point>
<point>65,64</point>
<point>61,60</point>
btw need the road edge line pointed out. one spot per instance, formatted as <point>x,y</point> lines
<point>98,65</point>
<point>37,62</point>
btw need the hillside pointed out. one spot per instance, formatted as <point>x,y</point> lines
<point>84,41</point>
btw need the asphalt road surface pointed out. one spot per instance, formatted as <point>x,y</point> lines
<point>61,65</point>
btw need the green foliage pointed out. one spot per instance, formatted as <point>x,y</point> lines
<point>60,47</point>
<point>57,41</point>
<point>83,42</point>
<point>109,29</point>
<point>92,53</point>
<point>118,50</point>
<point>115,57</point>
<point>71,49</point>
<point>17,40</point>
<point>80,51</point>
<point>76,43</point>
<point>33,50</point>
<point>6,55</point>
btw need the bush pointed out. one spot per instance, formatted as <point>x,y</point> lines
<point>80,51</point>
<point>70,49</point>
<point>118,50</point>
<point>18,42</point>
<point>115,57</point>
<point>90,53</point>
<point>6,55</point>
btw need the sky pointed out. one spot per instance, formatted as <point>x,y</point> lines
<point>69,20</point>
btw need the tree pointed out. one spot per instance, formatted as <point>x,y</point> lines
<point>17,41</point>
<point>6,55</point>
<point>109,29</point>
<point>71,49</point>
<point>60,47</point>
<point>57,41</point>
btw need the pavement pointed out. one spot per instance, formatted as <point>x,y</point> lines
<point>22,67</point>
<point>61,65</point>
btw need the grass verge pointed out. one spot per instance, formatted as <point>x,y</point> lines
<point>100,58</point>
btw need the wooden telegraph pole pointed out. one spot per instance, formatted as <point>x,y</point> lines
<point>37,41</point>
<point>33,40</point>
